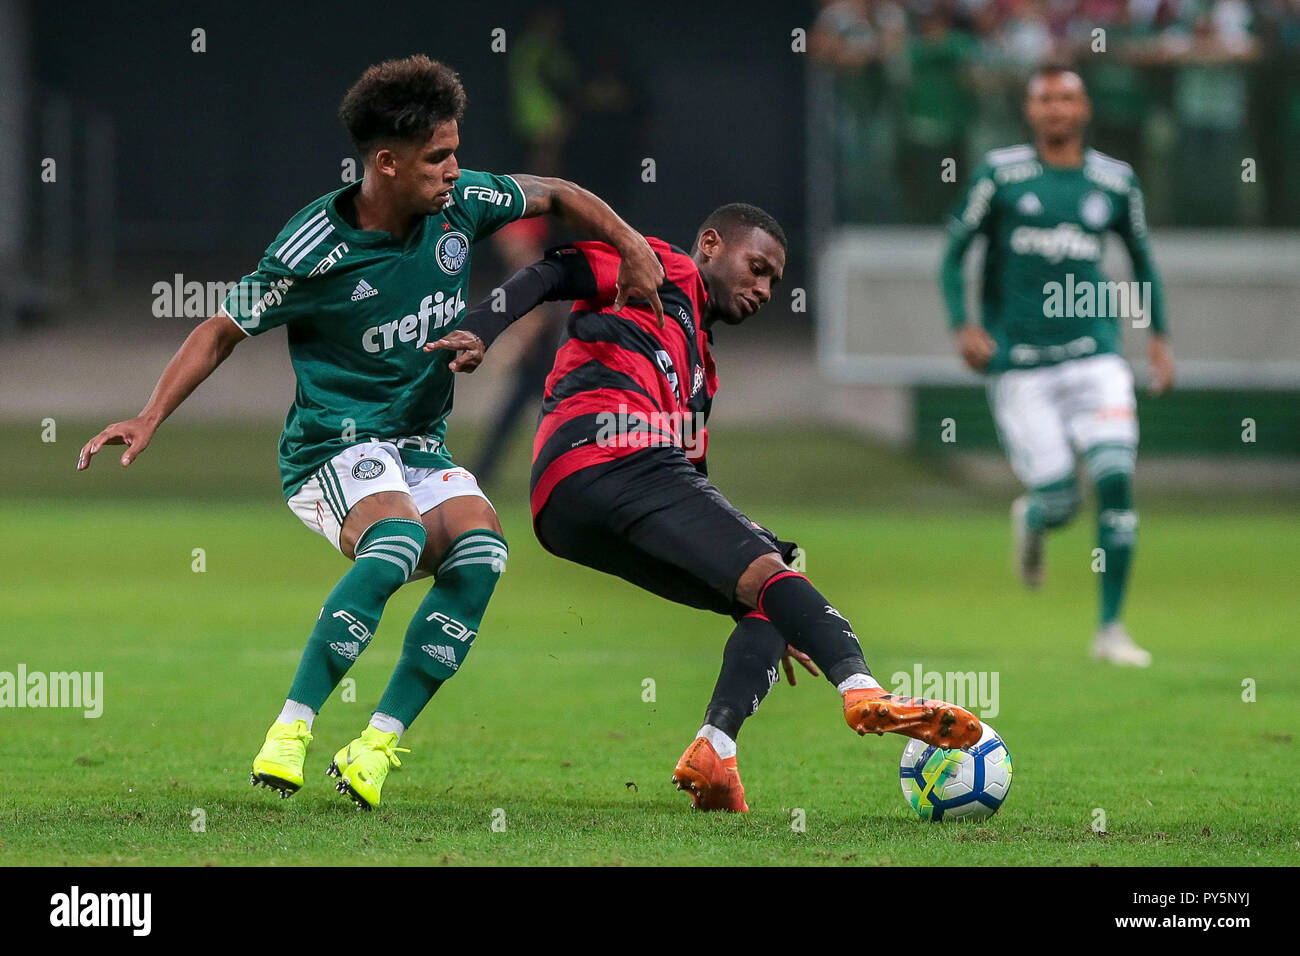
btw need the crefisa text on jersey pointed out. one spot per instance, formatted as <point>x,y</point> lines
<point>406,329</point>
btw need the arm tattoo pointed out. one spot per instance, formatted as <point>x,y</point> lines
<point>539,193</point>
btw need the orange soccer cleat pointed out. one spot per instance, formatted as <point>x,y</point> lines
<point>941,724</point>
<point>712,782</point>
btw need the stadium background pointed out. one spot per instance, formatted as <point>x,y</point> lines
<point>172,162</point>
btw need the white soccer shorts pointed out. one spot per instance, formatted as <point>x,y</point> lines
<point>368,468</point>
<point>1044,415</point>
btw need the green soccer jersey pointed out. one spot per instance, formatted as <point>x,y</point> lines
<point>1044,296</point>
<point>359,304</point>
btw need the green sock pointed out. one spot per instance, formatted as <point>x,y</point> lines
<point>443,629</point>
<point>1052,505</point>
<point>1117,524</point>
<point>386,556</point>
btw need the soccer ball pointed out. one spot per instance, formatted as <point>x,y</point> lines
<point>965,784</point>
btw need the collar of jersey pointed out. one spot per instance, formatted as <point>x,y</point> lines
<point>1048,167</point>
<point>367,237</point>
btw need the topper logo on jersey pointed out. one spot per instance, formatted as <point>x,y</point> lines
<point>414,327</point>
<point>686,321</point>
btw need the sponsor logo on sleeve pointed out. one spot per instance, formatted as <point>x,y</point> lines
<point>488,195</point>
<point>269,299</point>
<point>333,256</point>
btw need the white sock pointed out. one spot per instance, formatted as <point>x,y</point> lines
<point>389,725</point>
<point>857,682</point>
<point>724,745</point>
<point>295,711</point>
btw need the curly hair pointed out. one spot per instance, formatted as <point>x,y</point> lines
<point>727,220</point>
<point>401,100</point>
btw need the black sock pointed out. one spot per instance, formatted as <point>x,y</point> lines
<point>749,669</point>
<point>807,621</point>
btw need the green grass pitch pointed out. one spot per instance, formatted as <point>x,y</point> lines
<point>546,728</point>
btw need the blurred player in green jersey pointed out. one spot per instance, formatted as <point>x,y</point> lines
<point>1048,336</point>
<point>362,278</point>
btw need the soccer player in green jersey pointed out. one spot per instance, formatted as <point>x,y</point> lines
<point>1049,335</point>
<point>363,277</point>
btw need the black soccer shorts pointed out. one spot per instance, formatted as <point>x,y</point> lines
<point>652,519</point>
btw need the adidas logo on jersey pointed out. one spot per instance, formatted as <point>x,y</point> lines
<point>364,290</point>
<point>442,654</point>
<point>350,650</point>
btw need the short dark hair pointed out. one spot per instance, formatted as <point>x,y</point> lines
<point>404,99</point>
<point>727,220</point>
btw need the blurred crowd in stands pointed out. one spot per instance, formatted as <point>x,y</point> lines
<point>1202,97</point>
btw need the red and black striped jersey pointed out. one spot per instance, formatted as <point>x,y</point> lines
<point>620,383</point>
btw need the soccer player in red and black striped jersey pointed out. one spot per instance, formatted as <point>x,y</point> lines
<point>619,479</point>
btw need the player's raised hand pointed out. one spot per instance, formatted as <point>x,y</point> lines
<point>640,273</point>
<point>135,434</point>
<point>1161,362</point>
<point>802,658</point>
<point>976,346</point>
<point>468,347</point>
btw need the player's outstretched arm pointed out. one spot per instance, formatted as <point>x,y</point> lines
<point>207,346</point>
<point>561,276</point>
<point>640,273</point>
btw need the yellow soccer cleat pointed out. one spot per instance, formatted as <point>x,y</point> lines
<point>363,765</point>
<point>278,765</point>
